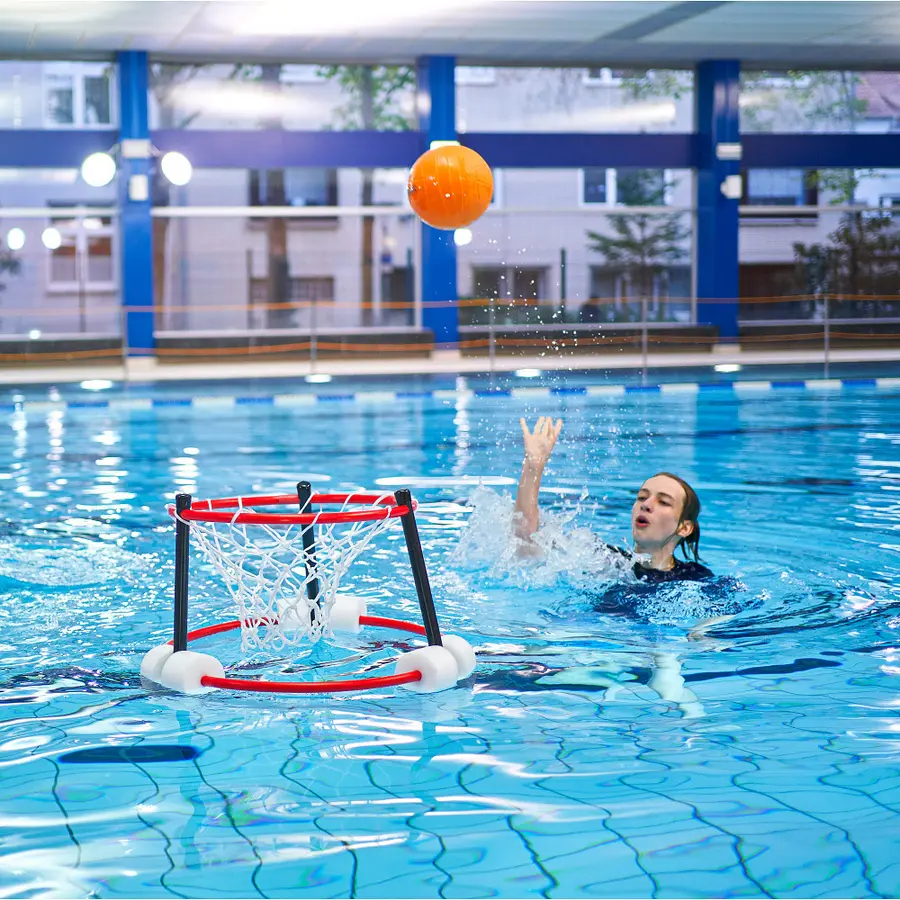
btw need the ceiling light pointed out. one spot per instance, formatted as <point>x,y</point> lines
<point>98,170</point>
<point>15,239</point>
<point>51,238</point>
<point>176,167</point>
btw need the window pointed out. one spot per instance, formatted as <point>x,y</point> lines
<point>293,187</point>
<point>497,196</point>
<point>297,74</point>
<point>615,297</point>
<point>779,187</point>
<point>890,203</point>
<point>312,290</point>
<point>319,289</point>
<point>527,283</point>
<point>475,75</point>
<point>77,95</point>
<point>489,282</point>
<point>84,259</point>
<point>597,186</point>
<point>610,77</point>
<point>641,187</point>
<point>626,187</point>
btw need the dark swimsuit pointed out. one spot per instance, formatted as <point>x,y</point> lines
<point>627,599</point>
<point>683,570</point>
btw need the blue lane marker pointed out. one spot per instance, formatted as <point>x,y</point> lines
<point>158,402</point>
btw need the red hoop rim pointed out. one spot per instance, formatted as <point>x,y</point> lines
<point>310,687</point>
<point>234,509</point>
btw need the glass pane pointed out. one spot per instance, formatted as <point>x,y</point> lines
<point>64,262</point>
<point>569,99</point>
<point>642,187</point>
<point>60,100</point>
<point>594,186</point>
<point>44,291</point>
<point>311,187</point>
<point>99,259</point>
<point>817,101</point>
<point>324,273</point>
<point>96,100</point>
<point>308,98</point>
<point>53,94</point>
<point>574,264</point>
<point>773,187</point>
<point>850,256</point>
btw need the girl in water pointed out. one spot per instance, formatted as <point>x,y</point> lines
<point>664,516</point>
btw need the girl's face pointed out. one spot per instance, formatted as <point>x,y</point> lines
<point>656,513</point>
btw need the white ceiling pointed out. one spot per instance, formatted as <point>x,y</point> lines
<point>776,34</point>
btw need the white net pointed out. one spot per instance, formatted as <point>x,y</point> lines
<point>283,592</point>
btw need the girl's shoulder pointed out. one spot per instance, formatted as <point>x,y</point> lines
<point>693,571</point>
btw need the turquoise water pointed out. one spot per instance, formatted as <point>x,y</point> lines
<point>567,765</point>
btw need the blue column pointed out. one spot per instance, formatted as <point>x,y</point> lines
<point>717,90</point>
<point>135,227</point>
<point>437,119</point>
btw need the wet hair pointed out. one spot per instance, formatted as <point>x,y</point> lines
<point>690,545</point>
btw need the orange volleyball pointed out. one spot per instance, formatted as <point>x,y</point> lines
<point>450,186</point>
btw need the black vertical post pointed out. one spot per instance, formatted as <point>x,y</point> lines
<point>308,536</point>
<point>420,573</point>
<point>182,562</point>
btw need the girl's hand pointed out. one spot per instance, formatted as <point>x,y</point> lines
<point>540,443</point>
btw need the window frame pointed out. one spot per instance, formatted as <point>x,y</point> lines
<point>475,76</point>
<point>605,79</point>
<point>82,238</point>
<point>610,189</point>
<point>790,214</point>
<point>78,72</point>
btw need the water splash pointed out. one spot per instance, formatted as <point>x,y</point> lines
<point>558,551</point>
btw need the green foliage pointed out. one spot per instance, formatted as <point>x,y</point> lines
<point>372,94</point>
<point>645,84</point>
<point>801,101</point>
<point>10,264</point>
<point>642,245</point>
<point>862,257</point>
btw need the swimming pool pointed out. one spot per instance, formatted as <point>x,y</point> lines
<point>556,770</point>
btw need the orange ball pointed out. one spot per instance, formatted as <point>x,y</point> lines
<point>450,186</point>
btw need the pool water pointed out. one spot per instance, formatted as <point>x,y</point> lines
<point>606,745</point>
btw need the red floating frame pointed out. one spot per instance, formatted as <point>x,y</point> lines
<point>310,687</point>
<point>240,510</point>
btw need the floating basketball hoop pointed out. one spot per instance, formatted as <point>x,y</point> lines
<point>283,570</point>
